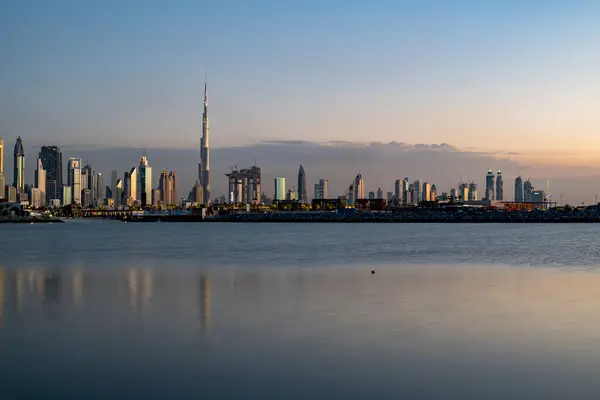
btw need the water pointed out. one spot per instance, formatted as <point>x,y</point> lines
<point>94,309</point>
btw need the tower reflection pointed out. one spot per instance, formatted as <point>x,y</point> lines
<point>132,283</point>
<point>77,286</point>
<point>205,302</point>
<point>1,297</point>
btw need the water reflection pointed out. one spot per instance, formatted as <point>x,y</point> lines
<point>426,331</point>
<point>205,302</point>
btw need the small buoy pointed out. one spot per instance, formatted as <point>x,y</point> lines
<point>372,272</point>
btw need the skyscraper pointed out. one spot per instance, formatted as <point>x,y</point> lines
<point>489,185</point>
<point>302,185</point>
<point>379,193</point>
<point>2,178</point>
<point>279,189</point>
<point>99,189</point>
<point>40,183</point>
<point>114,177</point>
<point>118,193</point>
<point>204,165</point>
<point>527,191</point>
<point>174,195</point>
<point>1,157</point>
<point>130,186</point>
<point>398,189</point>
<point>519,190</point>
<point>426,194</point>
<point>145,182</point>
<point>19,166</point>
<point>52,162</point>
<point>359,187</point>
<point>163,186</point>
<point>499,187</point>
<point>405,190</point>
<point>417,194</point>
<point>74,179</point>
<point>321,189</point>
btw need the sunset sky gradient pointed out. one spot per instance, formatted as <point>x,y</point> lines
<point>495,76</point>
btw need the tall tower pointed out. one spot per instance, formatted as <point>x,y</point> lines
<point>302,185</point>
<point>499,187</point>
<point>19,167</point>
<point>1,157</point>
<point>489,185</point>
<point>204,165</point>
<point>52,162</point>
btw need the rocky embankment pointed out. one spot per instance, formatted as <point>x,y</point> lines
<point>419,215</point>
<point>29,220</point>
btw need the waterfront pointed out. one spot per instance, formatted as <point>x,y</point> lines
<point>291,310</point>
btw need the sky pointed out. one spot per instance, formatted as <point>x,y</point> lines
<point>517,78</point>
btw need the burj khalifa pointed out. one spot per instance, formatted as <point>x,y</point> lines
<point>204,165</point>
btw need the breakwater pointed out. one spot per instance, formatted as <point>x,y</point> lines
<point>419,216</point>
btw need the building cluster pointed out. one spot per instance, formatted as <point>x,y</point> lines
<point>84,186</point>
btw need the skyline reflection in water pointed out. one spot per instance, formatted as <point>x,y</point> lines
<point>420,331</point>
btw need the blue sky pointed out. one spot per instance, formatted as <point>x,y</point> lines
<point>503,75</point>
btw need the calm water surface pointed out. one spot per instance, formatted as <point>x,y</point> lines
<point>93,309</point>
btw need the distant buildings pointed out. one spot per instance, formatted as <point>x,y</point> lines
<point>519,190</point>
<point>527,191</point>
<point>40,185</point>
<point>302,198</point>
<point>52,162</point>
<point>359,187</point>
<point>19,167</point>
<point>144,186</point>
<point>489,186</point>
<point>74,179</point>
<point>379,193</point>
<point>244,185</point>
<point>279,189</point>
<point>499,187</point>
<point>473,192</point>
<point>321,189</point>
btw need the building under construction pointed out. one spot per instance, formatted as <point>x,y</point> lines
<point>244,185</point>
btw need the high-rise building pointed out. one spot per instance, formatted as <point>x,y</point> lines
<point>398,189</point>
<point>302,198</point>
<point>197,194</point>
<point>52,161</point>
<point>473,192</point>
<point>40,182</point>
<point>1,156</point>
<point>405,191</point>
<point>489,185</point>
<point>279,189</point>
<point>379,193</point>
<point>204,165</point>
<point>2,186</point>
<point>118,194</point>
<point>359,187</point>
<point>499,187</point>
<point>36,198</point>
<point>527,191</point>
<point>538,196</point>
<point>67,195</point>
<point>19,167</point>
<point>174,195</point>
<point>130,184</point>
<point>74,179</point>
<point>145,182</point>
<point>99,189</point>
<point>519,190</point>
<point>11,194</point>
<point>433,193</point>
<point>371,195</point>
<point>163,186</point>
<point>86,198</point>
<point>156,197</point>
<point>114,177</point>
<point>417,194</point>
<point>321,189</point>
<point>426,191</point>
